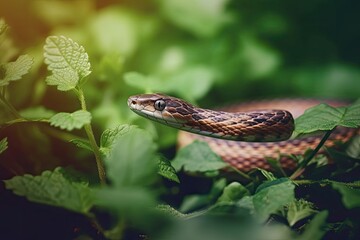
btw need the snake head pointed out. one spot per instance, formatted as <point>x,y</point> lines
<point>160,108</point>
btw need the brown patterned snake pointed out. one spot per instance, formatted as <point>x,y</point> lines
<point>243,135</point>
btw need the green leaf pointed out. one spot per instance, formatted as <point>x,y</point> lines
<point>298,210</point>
<point>132,202</point>
<point>131,169</point>
<point>233,192</point>
<point>69,121</point>
<point>273,197</point>
<point>353,150</point>
<point>68,62</point>
<point>3,145</point>
<point>133,159</point>
<point>52,188</point>
<point>142,82</point>
<point>350,196</point>
<point>193,202</point>
<point>82,143</point>
<point>315,230</point>
<point>191,83</point>
<point>325,117</point>
<point>36,113</point>
<point>198,17</point>
<point>198,157</point>
<point>166,170</point>
<point>268,175</point>
<point>109,137</point>
<point>15,70</point>
<point>171,211</point>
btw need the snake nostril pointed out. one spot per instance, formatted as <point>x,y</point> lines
<point>133,102</point>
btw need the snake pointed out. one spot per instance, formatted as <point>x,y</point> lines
<point>244,135</point>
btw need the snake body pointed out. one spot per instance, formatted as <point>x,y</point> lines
<point>243,135</point>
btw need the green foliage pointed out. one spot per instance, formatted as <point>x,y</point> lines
<point>325,117</point>
<point>36,113</point>
<point>198,157</point>
<point>144,83</point>
<point>53,188</point>
<point>197,201</point>
<point>233,192</point>
<point>3,145</point>
<point>82,143</point>
<point>13,71</point>
<point>272,196</point>
<point>131,169</point>
<point>315,229</point>
<point>198,17</point>
<point>70,121</point>
<point>109,137</point>
<point>207,52</point>
<point>167,170</point>
<point>68,62</point>
<point>350,195</point>
<point>298,210</point>
<point>132,150</point>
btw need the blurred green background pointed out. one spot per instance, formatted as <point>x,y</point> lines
<point>208,52</point>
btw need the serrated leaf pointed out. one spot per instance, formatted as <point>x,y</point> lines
<point>198,157</point>
<point>325,117</point>
<point>350,196</point>
<point>13,71</point>
<point>166,170</point>
<point>3,145</point>
<point>298,210</point>
<point>64,81</point>
<point>70,121</point>
<point>82,143</point>
<point>233,192</point>
<point>52,188</point>
<point>109,136</point>
<point>273,197</point>
<point>36,113</point>
<point>133,160</point>
<point>67,60</point>
<point>315,230</point>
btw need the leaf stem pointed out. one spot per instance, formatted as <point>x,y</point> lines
<point>23,120</point>
<point>325,182</point>
<point>91,137</point>
<point>242,174</point>
<point>10,107</point>
<point>304,163</point>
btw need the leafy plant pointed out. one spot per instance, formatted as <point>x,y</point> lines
<point>137,189</point>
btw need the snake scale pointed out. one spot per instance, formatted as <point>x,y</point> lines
<point>243,135</point>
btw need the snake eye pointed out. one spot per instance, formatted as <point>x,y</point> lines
<point>159,105</point>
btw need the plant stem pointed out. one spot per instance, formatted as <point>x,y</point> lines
<point>325,182</point>
<point>91,137</point>
<point>244,175</point>
<point>10,107</point>
<point>301,169</point>
<point>23,120</point>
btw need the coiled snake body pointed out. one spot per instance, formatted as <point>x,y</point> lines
<point>243,135</point>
